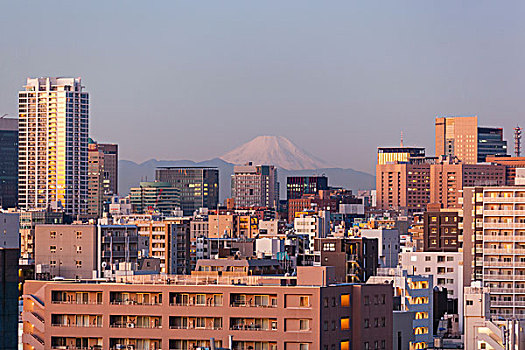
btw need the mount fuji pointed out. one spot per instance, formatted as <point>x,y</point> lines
<point>274,150</point>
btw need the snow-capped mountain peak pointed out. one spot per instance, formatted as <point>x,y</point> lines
<point>274,150</point>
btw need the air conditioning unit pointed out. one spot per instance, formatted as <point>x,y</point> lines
<point>130,325</point>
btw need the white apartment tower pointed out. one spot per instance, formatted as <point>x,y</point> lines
<point>53,145</point>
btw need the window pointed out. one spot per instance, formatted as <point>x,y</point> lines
<point>52,234</point>
<point>53,248</point>
<point>53,263</point>
<point>79,234</point>
<point>304,325</point>
<point>441,258</point>
<point>376,322</point>
<point>345,345</point>
<point>329,247</point>
<point>303,347</point>
<point>333,325</point>
<point>200,322</point>
<point>470,302</point>
<point>450,258</point>
<point>427,269</point>
<point>367,323</point>
<point>345,323</point>
<point>428,258</point>
<point>383,321</point>
<point>450,269</point>
<point>325,302</point>
<point>367,300</point>
<point>325,325</point>
<point>382,299</point>
<point>366,346</point>
<point>345,300</point>
<point>79,264</point>
<point>79,249</point>
<point>333,302</point>
<point>200,299</point>
<point>304,301</point>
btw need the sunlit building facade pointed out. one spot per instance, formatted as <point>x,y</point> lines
<point>53,145</point>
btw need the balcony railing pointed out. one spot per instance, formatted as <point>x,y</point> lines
<point>132,325</point>
<point>247,304</point>
<point>76,325</point>
<point>188,327</point>
<point>133,302</point>
<point>250,328</point>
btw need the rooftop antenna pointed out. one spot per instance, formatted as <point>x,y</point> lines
<point>517,141</point>
<point>401,144</point>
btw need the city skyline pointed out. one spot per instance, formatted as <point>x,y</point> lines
<point>349,67</point>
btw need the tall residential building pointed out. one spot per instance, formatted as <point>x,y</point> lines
<point>386,155</point>
<point>95,180</point>
<point>161,197</point>
<point>53,145</point>
<point>296,186</point>
<point>461,137</point>
<point>495,230</point>
<point>198,186</point>
<point>110,182</point>
<point>234,311</point>
<point>457,136</point>
<point>255,186</point>
<point>102,176</point>
<point>8,162</point>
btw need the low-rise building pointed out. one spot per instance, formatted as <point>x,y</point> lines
<point>413,293</point>
<point>68,251</point>
<point>354,258</point>
<point>388,244</point>
<point>184,312</point>
<point>483,333</point>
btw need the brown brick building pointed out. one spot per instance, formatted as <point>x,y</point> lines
<point>408,186</point>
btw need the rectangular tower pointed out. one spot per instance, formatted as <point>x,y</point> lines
<point>53,145</point>
<point>457,136</point>
<point>255,186</point>
<point>8,162</point>
<point>198,186</point>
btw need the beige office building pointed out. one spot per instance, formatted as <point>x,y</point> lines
<point>457,136</point>
<point>53,145</point>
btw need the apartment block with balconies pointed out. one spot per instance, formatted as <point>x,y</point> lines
<point>185,312</point>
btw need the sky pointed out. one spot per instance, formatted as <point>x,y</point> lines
<point>194,79</point>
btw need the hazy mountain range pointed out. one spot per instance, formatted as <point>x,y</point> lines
<point>276,150</point>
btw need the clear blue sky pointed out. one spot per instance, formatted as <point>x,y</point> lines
<point>194,79</point>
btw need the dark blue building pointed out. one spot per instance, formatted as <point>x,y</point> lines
<point>8,162</point>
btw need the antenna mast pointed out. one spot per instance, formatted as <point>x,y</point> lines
<point>517,141</point>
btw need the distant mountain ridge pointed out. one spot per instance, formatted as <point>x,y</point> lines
<point>131,173</point>
<point>274,150</point>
